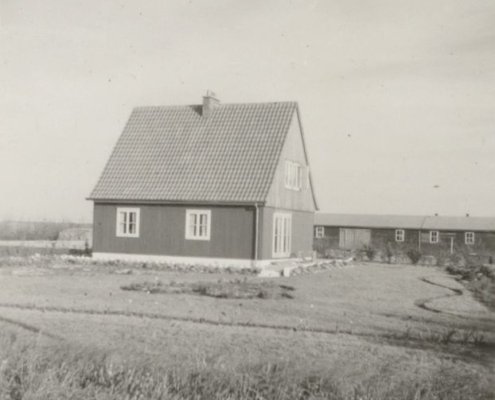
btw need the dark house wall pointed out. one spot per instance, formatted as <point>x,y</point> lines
<point>302,232</point>
<point>162,232</point>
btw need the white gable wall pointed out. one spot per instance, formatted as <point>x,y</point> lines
<point>281,197</point>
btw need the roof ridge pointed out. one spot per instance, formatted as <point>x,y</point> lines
<point>294,103</point>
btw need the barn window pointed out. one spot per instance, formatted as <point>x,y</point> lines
<point>400,234</point>
<point>282,234</point>
<point>319,232</point>
<point>434,236</point>
<point>469,237</point>
<point>293,175</point>
<point>128,222</point>
<point>198,224</point>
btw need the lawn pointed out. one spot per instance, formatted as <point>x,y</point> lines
<point>365,326</point>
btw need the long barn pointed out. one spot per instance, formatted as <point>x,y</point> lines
<point>430,235</point>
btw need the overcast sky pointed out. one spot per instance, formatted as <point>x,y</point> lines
<point>397,97</point>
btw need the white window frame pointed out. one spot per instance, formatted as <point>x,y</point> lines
<point>400,235</point>
<point>282,235</point>
<point>195,230</point>
<point>469,238</point>
<point>293,175</point>
<point>434,236</point>
<point>124,223</point>
<point>319,232</point>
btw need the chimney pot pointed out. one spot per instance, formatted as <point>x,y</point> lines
<point>210,101</point>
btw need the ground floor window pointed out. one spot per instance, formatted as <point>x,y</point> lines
<point>319,232</point>
<point>198,224</point>
<point>469,237</point>
<point>400,235</point>
<point>128,222</point>
<point>434,236</point>
<point>282,234</point>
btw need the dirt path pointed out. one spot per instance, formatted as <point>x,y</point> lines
<point>426,303</point>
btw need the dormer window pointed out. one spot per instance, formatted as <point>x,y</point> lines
<point>293,175</point>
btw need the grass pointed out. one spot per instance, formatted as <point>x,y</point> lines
<point>33,371</point>
<point>24,251</point>
<point>67,330</point>
<point>231,289</point>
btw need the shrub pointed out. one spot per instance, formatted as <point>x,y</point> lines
<point>370,252</point>
<point>414,255</point>
<point>389,253</point>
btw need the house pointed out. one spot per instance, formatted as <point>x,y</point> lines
<point>430,235</point>
<point>215,183</point>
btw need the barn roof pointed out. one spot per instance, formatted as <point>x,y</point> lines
<point>369,221</point>
<point>173,153</point>
<point>460,223</point>
<point>406,222</point>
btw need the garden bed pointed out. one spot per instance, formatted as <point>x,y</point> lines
<point>233,289</point>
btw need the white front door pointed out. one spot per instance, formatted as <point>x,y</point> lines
<point>282,235</point>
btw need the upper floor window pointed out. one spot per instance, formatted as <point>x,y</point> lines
<point>127,222</point>
<point>293,175</point>
<point>400,235</point>
<point>434,236</point>
<point>198,224</point>
<point>469,237</point>
<point>319,232</point>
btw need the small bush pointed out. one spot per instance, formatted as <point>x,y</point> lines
<point>370,252</point>
<point>414,255</point>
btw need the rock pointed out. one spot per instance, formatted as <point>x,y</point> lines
<point>125,271</point>
<point>269,273</point>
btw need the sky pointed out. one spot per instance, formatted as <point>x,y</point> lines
<point>397,98</point>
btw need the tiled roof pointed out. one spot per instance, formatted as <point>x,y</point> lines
<point>407,222</point>
<point>176,154</point>
<point>460,223</point>
<point>369,221</point>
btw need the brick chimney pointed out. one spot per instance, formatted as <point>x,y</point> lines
<point>210,101</point>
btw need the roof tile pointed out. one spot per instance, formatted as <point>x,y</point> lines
<point>174,154</point>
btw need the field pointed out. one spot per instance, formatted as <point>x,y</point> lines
<point>364,331</point>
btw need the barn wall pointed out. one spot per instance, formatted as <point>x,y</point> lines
<point>330,241</point>
<point>484,243</point>
<point>383,239</point>
<point>302,232</point>
<point>162,232</point>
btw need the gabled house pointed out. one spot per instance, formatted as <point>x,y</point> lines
<point>212,183</point>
